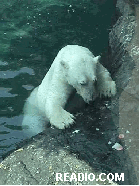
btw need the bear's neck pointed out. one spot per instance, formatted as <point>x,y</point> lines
<point>56,78</point>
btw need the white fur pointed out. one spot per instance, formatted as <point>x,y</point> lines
<point>75,67</point>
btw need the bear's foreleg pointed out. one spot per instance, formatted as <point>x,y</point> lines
<point>59,117</point>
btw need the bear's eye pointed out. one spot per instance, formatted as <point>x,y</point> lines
<point>94,79</point>
<point>83,83</point>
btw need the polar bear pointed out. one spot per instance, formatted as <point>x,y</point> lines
<point>74,68</point>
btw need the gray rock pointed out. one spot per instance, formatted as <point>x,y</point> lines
<point>34,165</point>
<point>123,41</point>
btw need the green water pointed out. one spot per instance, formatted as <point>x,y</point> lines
<point>31,34</point>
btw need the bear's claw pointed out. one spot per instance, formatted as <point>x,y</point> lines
<point>64,120</point>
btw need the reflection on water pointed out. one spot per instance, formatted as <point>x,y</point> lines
<point>6,124</point>
<point>3,63</point>
<point>11,74</point>
<point>10,133</point>
<point>28,87</point>
<point>11,90</point>
<point>4,92</point>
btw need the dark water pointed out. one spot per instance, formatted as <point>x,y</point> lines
<point>31,34</point>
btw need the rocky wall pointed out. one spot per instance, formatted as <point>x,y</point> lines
<point>124,57</point>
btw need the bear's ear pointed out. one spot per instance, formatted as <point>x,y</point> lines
<point>97,59</point>
<point>64,64</point>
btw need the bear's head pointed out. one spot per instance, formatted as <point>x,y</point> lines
<point>80,72</point>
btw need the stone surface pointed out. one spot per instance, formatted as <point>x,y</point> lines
<point>34,165</point>
<point>125,55</point>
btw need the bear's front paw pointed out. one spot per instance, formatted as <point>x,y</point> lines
<point>107,88</point>
<point>62,120</point>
